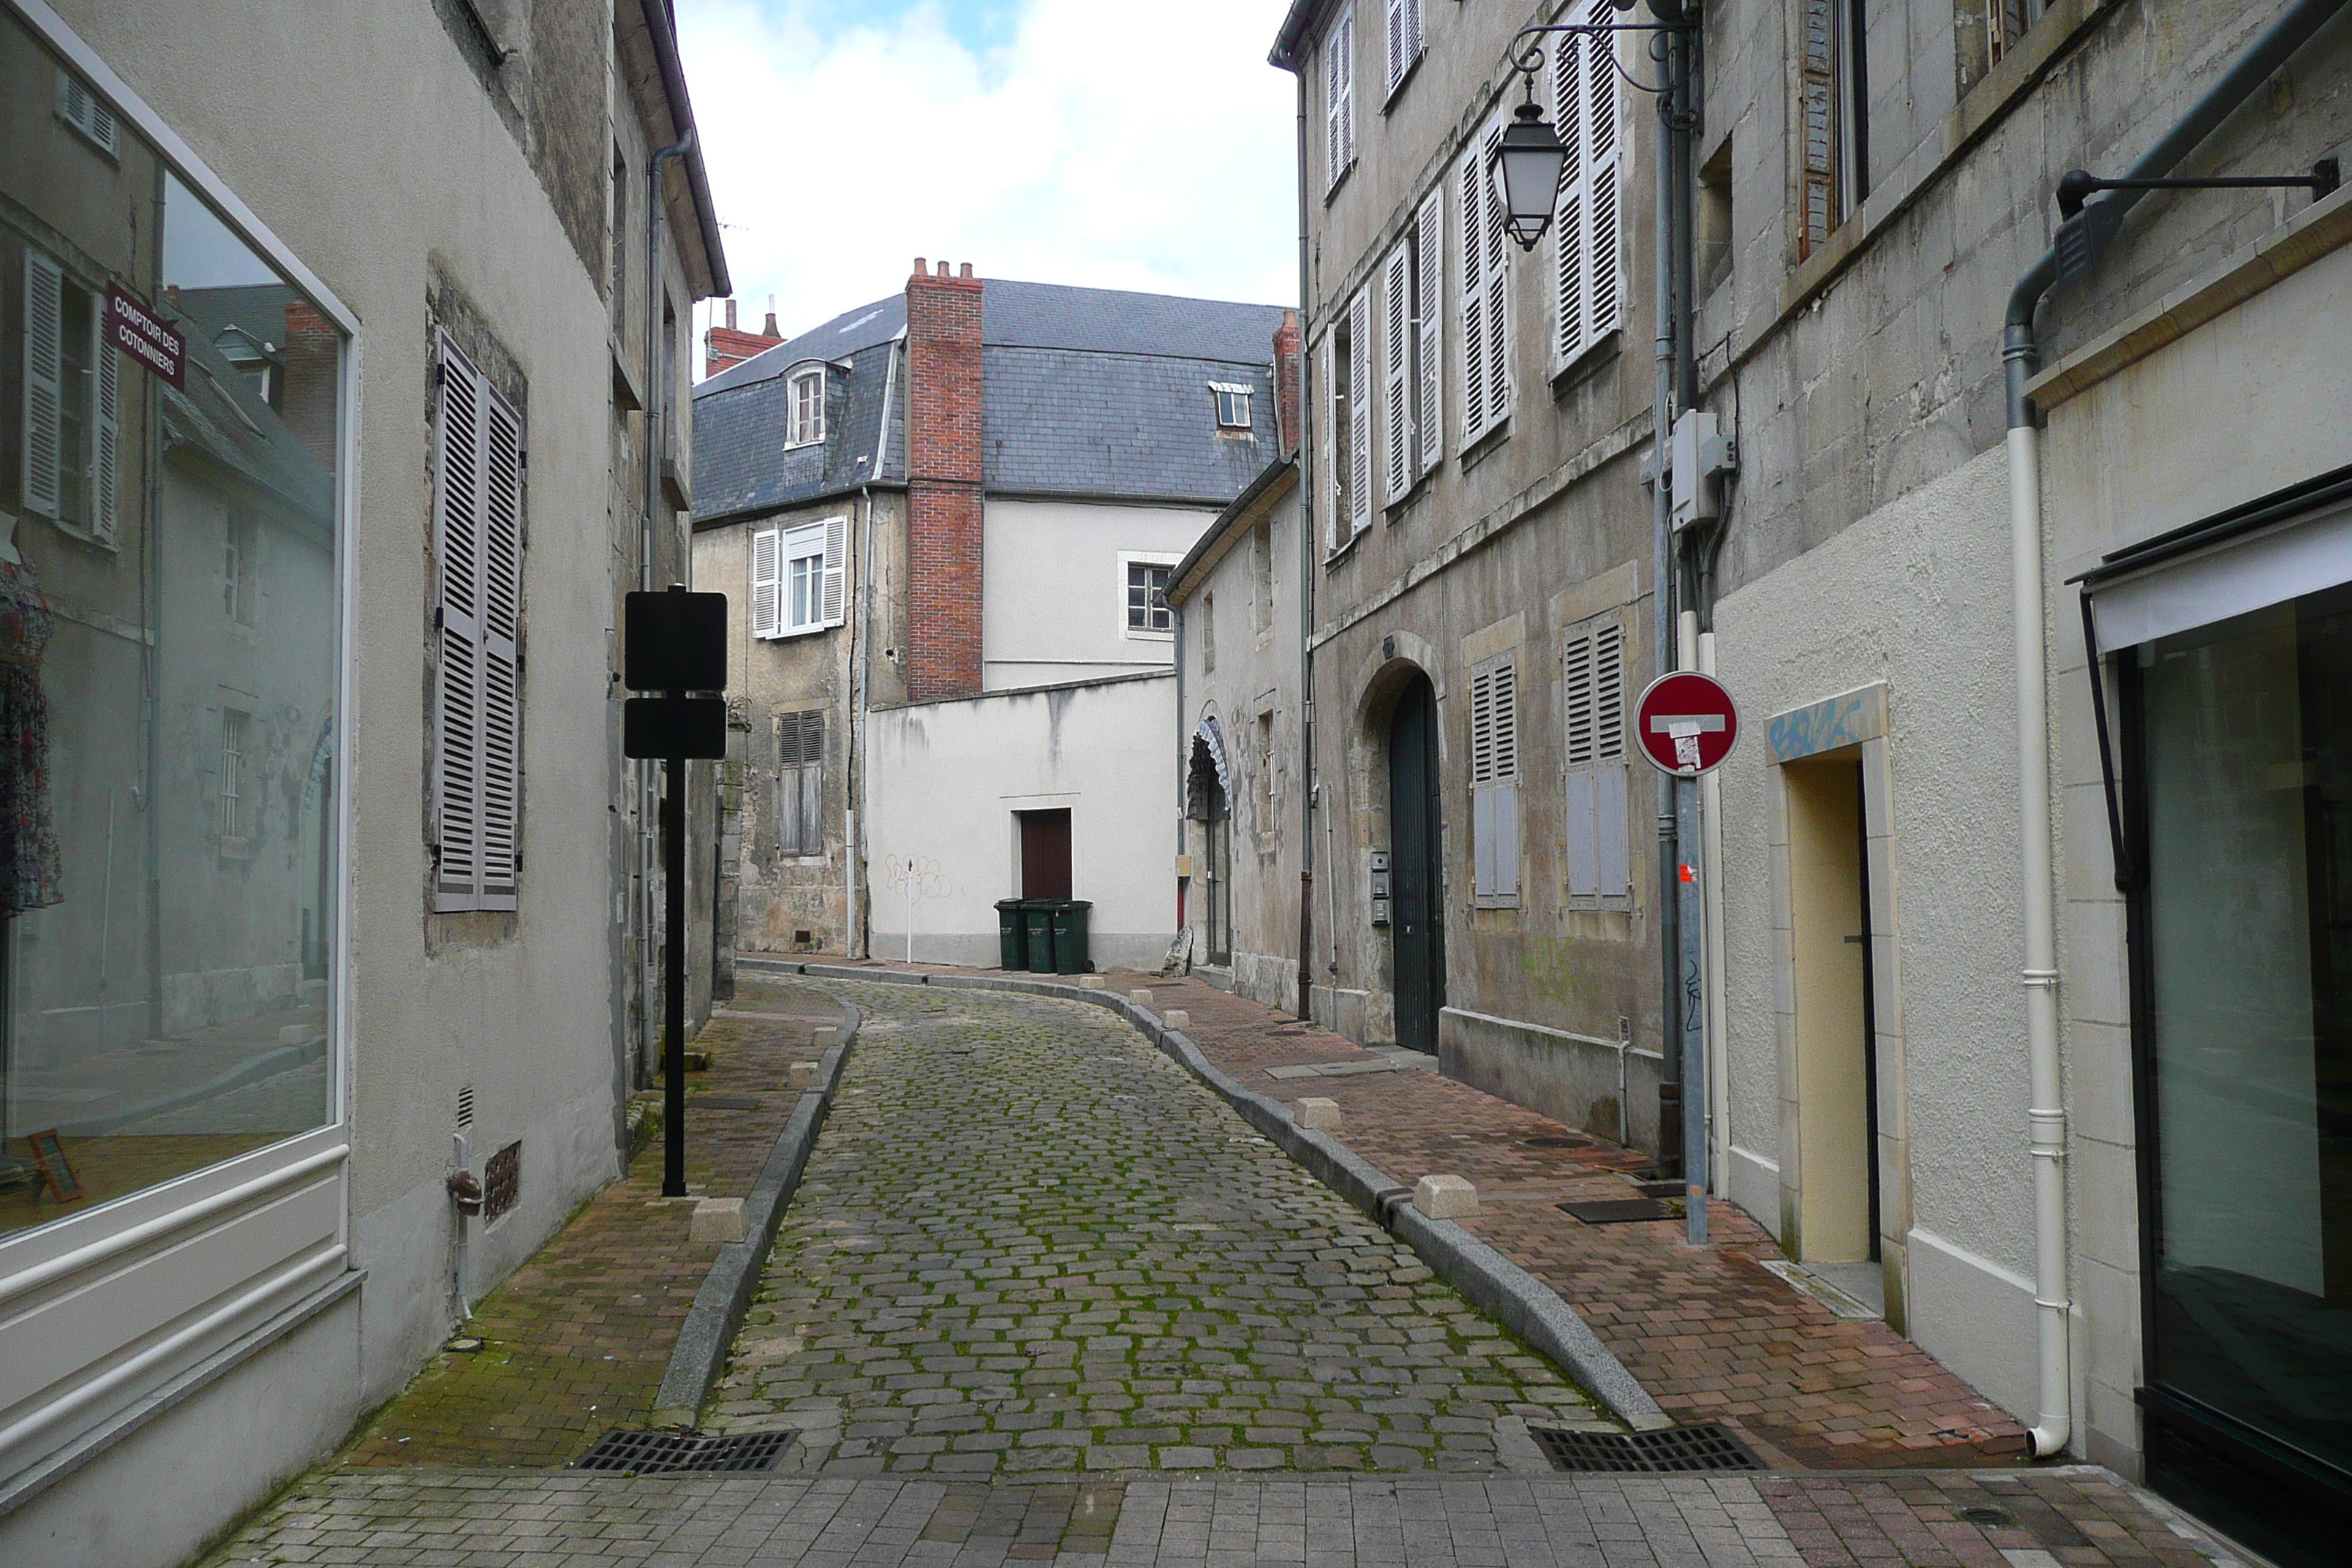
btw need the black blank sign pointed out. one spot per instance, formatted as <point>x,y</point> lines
<point>666,727</point>
<point>674,641</point>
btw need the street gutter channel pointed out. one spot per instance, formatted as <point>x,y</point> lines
<point>1486,1277</point>
<point>704,1339</point>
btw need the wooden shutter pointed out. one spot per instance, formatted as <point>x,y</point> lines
<point>1360,413</point>
<point>1429,275</point>
<point>831,595</point>
<point>1340,98</point>
<point>1472,201</point>
<point>44,367</point>
<point>1499,329</point>
<point>1493,779</point>
<point>1588,289</point>
<point>1604,284</point>
<point>1592,695</point>
<point>1393,34</point>
<point>1568,240</point>
<point>800,782</point>
<point>767,584</point>
<point>478,539</point>
<point>1396,369</point>
<point>1335,482</point>
<point>502,625</point>
<point>1818,110</point>
<point>105,448</point>
<point>458,717</point>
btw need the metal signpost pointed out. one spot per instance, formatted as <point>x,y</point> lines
<point>1686,725</point>
<point>674,643</point>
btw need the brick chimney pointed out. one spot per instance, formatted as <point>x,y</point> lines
<point>724,348</point>
<point>943,482</point>
<point>1286,384</point>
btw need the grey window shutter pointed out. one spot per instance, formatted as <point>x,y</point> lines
<point>1360,413</point>
<point>502,534</point>
<point>767,582</point>
<point>105,448</point>
<point>836,570</point>
<point>1396,378</point>
<point>457,709</point>
<point>1429,282</point>
<point>44,367</point>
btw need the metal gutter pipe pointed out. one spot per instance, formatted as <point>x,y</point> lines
<point>2021,358</point>
<point>1308,788</point>
<point>1661,627</point>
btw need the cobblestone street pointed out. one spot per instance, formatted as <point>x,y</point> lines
<point>1030,1243</point>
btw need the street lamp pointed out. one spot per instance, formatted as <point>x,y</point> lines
<point>1525,167</point>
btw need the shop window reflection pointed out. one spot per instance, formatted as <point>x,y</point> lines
<point>168,673</point>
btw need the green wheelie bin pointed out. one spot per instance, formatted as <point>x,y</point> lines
<point>1037,914</point>
<point>1070,936</point>
<point>1011,935</point>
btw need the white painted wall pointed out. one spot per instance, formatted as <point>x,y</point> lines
<point>946,777</point>
<point>1916,596</point>
<point>1054,594</point>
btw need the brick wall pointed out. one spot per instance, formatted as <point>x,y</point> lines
<point>943,488</point>
<point>1285,383</point>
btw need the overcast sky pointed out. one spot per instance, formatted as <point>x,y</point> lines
<point>1104,142</point>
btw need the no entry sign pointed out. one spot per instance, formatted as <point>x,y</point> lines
<point>1685,723</point>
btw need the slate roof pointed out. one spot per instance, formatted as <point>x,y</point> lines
<point>1088,392</point>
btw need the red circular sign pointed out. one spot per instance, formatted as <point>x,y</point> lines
<point>1685,723</point>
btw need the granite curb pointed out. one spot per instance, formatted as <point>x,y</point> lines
<point>1490,1280</point>
<point>708,1331</point>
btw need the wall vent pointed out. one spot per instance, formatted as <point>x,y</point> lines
<point>465,1105</point>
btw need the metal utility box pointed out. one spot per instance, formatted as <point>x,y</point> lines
<point>1380,887</point>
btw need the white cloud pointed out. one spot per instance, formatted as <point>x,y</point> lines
<point>1115,145</point>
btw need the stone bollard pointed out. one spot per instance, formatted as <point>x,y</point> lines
<point>717,1219</point>
<point>802,1075</point>
<point>1177,1018</point>
<point>1318,1114</point>
<point>1444,1197</point>
<point>824,1036</point>
<point>1091,982</point>
<point>1141,998</point>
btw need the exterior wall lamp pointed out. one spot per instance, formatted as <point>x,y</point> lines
<point>1529,156</point>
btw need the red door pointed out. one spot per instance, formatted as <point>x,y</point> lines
<point>1044,854</point>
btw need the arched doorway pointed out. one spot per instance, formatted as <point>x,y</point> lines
<point>1206,804</point>
<point>1416,847</point>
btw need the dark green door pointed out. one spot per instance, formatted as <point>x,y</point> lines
<point>1417,911</point>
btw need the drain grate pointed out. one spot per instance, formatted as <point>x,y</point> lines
<point>724,1102</point>
<point>1617,1211</point>
<point>1703,1448</point>
<point>656,1453</point>
<point>1551,1142</point>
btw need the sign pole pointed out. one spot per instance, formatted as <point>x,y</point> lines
<point>1694,1008</point>
<point>673,826</point>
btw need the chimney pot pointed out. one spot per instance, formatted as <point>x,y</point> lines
<point>770,330</point>
<point>943,268</point>
<point>730,313</point>
<point>921,266</point>
<point>967,270</point>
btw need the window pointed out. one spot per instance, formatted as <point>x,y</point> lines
<point>2006,21</point>
<point>1494,781</point>
<point>798,575</point>
<point>1265,795</point>
<point>1404,37</point>
<point>1587,290</point>
<point>86,112</point>
<point>1147,599</point>
<point>237,734</point>
<point>1232,406</point>
<point>1836,134</point>
<point>477,538</point>
<point>1409,294</point>
<point>239,569</point>
<point>617,275</point>
<point>1208,634</point>
<point>1593,698</point>
<point>72,398</point>
<point>1486,291</point>
<point>1338,99</point>
<point>805,425</point>
<point>1262,572</point>
<point>800,782</point>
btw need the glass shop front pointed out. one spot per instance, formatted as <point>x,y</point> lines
<point>2237,768</point>
<point>169,410</point>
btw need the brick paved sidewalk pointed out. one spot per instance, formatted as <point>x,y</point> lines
<point>576,1340</point>
<point>2079,1518</point>
<point>1709,1333</point>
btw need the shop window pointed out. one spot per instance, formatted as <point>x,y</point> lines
<point>167,891</point>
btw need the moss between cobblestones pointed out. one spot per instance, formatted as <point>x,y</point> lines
<point>1029,1244</point>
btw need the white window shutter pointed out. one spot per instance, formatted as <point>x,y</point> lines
<point>1503,705</point>
<point>1400,48</point>
<point>1334,481</point>
<point>1571,296</point>
<point>1348,87</point>
<point>831,592</point>
<point>1611,853</point>
<point>457,718</point>
<point>1481,726</point>
<point>1413,34</point>
<point>1583,859</point>
<point>1506,829</point>
<point>1429,262</point>
<point>1609,692</point>
<point>1360,413</point>
<point>767,586</point>
<point>1470,185</point>
<point>44,367</point>
<point>502,539</point>
<point>104,448</point>
<point>1604,291</point>
<point>1333,147</point>
<point>1482,842</point>
<point>1396,345</point>
<point>1498,330</point>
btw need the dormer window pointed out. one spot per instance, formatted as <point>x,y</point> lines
<point>1232,404</point>
<point>806,425</point>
